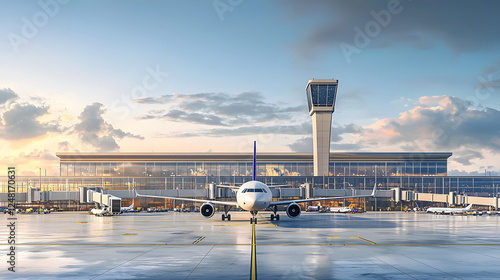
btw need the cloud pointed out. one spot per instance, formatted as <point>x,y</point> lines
<point>456,172</point>
<point>94,130</point>
<point>465,157</point>
<point>305,144</point>
<point>182,116</point>
<point>41,155</point>
<point>163,99</point>
<point>64,146</point>
<point>489,82</point>
<point>437,123</point>
<point>217,109</point>
<point>302,145</point>
<point>21,122</point>
<point>457,23</point>
<point>298,129</point>
<point>7,94</point>
<point>29,163</point>
<point>433,124</point>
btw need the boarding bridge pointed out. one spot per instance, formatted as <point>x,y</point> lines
<point>451,198</point>
<point>95,195</point>
<point>113,198</point>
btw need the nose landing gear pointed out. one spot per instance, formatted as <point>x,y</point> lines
<point>253,220</point>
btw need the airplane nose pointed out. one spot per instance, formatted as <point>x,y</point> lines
<point>249,204</point>
<point>260,203</point>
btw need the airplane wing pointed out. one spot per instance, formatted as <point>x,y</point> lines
<point>230,203</point>
<point>322,198</point>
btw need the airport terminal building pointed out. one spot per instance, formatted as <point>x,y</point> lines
<point>422,172</point>
<point>323,172</point>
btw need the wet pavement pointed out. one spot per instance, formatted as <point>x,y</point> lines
<point>171,245</point>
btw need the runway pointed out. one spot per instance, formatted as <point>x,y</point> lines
<point>171,245</point>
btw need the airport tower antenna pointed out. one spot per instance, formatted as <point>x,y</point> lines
<point>321,95</point>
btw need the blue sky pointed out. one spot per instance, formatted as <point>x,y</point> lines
<point>215,75</point>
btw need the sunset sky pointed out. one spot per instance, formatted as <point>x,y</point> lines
<point>212,76</point>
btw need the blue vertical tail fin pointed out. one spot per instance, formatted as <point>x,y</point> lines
<point>254,173</point>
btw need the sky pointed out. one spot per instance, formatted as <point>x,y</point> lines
<point>213,76</point>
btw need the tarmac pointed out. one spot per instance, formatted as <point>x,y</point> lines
<point>372,245</point>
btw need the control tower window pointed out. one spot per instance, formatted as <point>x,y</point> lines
<point>315,95</point>
<point>322,95</point>
<point>331,95</point>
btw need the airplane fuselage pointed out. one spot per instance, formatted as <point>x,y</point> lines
<point>99,211</point>
<point>254,196</point>
<point>446,210</point>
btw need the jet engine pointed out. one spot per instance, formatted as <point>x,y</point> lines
<point>207,210</point>
<point>293,210</point>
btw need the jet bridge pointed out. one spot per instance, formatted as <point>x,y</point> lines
<point>451,198</point>
<point>113,203</point>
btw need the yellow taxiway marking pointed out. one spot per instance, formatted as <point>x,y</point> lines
<point>244,225</point>
<point>129,234</point>
<point>247,244</point>
<point>354,237</point>
<point>93,244</point>
<point>253,265</point>
<point>371,242</point>
<point>198,240</point>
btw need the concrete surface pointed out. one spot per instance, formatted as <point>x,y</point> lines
<point>315,246</point>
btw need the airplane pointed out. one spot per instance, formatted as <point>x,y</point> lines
<point>126,209</point>
<point>445,210</point>
<point>253,196</point>
<point>99,212</point>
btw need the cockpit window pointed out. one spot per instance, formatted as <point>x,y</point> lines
<point>254,190</point>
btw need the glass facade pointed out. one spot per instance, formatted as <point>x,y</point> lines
<point>418,168</point>
<point>421,172</point>
<point>485,186</point>
<point>168,169</point>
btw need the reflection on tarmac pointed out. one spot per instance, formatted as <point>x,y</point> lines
<point>315,246</point>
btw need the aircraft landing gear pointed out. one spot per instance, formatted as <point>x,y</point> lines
<point>253,220</point>
<point>275,216</point>
<point>226,215</point>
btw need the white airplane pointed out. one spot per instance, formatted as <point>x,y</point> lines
<point>253,196</point>
<point>445,210</point>
<point>126,209</point>
<point>99,212</point>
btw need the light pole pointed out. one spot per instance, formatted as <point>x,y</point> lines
<point>376,206</point>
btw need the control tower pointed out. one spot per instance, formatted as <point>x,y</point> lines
<point>321,95</point>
